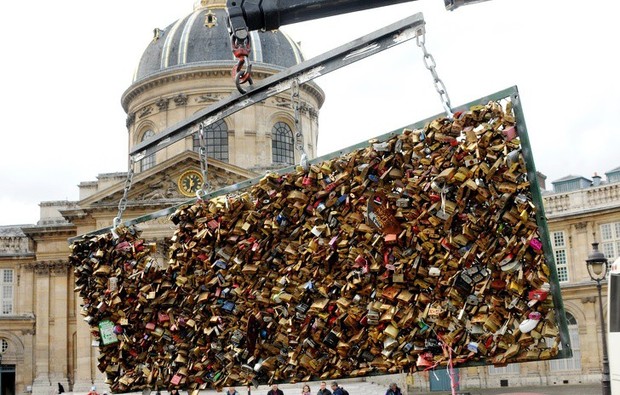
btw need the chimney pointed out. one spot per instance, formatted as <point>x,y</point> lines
<point>596,180</point>
<point>540,178</point>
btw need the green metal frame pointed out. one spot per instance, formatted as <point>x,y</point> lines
<point>511,94</point>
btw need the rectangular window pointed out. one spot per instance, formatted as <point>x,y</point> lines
<point>574,363</point>
<point>560,255</point>
<point>512,368</point>
<point>610,241</point>
<point>6,291</point>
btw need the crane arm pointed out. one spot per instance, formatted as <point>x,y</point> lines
<point>248,15</point>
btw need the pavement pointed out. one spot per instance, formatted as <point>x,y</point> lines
<point>580,389</point>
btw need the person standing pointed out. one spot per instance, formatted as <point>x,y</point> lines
<point>323,390</point>
<point>175,392</point>
<point>393,390</point>
<point>93,391</point>
<point>336,390</point>
<point>275,391</point>
<point>306,390</point>
<point>232,391</point>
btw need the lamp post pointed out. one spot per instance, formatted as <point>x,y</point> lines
<point>597,269</point>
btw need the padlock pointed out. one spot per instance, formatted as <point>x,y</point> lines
<point>298,251</point>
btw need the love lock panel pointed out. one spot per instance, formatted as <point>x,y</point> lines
<point>416,250</point>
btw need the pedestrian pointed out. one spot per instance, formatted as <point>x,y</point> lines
<point>275,391</point>
<point>393,390</point>
<point>174,392</point>
<point>306,390</point>
<point>61,389</point>
<point>232,391</point>
<point>93,391</point>
<point>323,390</point>
<point>337,390</point>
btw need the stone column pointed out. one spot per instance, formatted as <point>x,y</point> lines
<point>591,340</point>
<point>42,383</point>
<point>25,372</point>
<point>84,378</point>
<point>59,347</point>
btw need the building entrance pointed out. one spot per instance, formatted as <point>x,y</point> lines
<point>7,379</point>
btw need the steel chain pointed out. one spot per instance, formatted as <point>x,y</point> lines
<point>296,104</point>
<point>429,63</point>
<point>122,204</point>
<point>204,163</point>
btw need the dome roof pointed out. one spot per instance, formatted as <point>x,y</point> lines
<point>192,41</point>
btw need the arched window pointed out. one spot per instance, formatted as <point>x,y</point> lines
<point>573,363</point>
<point>216,139</point>
<point>148,161</point>
<point>282,144</point>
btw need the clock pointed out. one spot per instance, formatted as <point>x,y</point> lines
<point>189,182</point>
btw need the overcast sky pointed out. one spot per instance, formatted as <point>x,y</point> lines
<point>66,64</point>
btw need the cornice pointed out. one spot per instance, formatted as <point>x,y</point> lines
<point>17,256</point>
<point>581,214</point>
<point>56,267</point>
<point>50,230</point>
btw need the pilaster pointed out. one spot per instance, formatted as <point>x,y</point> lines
<point>42,383</point>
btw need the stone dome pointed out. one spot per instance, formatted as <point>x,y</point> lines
<point>201,38</point>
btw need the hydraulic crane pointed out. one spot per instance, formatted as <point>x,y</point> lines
<point>248,15</point>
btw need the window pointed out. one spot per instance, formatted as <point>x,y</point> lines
<point>6,291</point>
<point>559,253</point>
<point>566,186</point>
<point>573,363</point>
<point>512,368</point>
<point>610,241</point>
<point>613,177</point>
<point>282,144</point>
<point>148,161</point>
<point>216,139</point>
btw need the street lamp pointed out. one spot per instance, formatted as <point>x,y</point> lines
<point>597,269</point>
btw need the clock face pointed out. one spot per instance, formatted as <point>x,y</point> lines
<point>190,182</point>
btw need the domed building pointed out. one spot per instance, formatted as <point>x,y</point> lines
<point>186,67</point>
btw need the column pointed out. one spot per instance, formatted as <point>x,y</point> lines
<point>59,344</point>
<point>84,378</point>
<point>41,384</point>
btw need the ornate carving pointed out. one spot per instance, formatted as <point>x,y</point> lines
<point>207,98</point>
<point>588,299</point>
<point>580,227</point>
<point>145,111</point>
<point>59,268</point>
<point>131,118</point>
<point>164,189</point>
<point>29,332</point>
<point>162,104</point>
<point>180,100</point>
<point>48,267</point>
<point>282,102</point>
